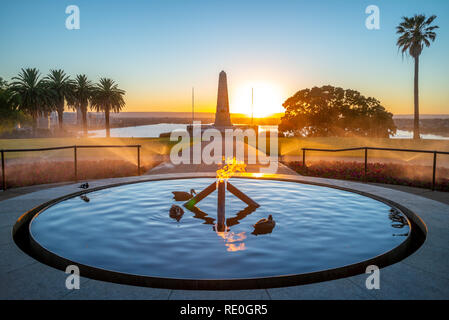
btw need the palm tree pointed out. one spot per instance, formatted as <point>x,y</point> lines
<point>107,97</point>
<point>61,88</point>
<point>31,94</point>
<point>82,95</point>
<point>415,32</point>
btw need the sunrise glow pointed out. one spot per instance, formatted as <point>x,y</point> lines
<point>268,99</point>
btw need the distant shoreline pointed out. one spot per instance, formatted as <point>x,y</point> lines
<point>211,115</point>
<point>434,124</point>
<point>429,124</point>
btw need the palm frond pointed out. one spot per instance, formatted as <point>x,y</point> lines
<point>415,33</point>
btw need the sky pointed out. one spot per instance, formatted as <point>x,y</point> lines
<point>158,50</point>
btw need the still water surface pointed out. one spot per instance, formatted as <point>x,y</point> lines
<point>154,130</point>
<point>128,229</point>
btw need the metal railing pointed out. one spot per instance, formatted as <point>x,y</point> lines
<point>75,158</point>
<point>381,149</point>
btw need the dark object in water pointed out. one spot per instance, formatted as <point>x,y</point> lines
<point>264,226</point>
<point>176,212</point>
<point>396,216</point>
<point>182,195</point>
<point>259,231</point>
<point>220,228</point>
<point>84,185</point>
<point>84,198</point>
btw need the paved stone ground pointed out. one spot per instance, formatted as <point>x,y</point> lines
<point>168,167</point>
<point>423,275</point>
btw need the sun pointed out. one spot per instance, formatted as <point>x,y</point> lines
<point>268,100</point>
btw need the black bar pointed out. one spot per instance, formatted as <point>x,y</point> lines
<point>221,210</point>
<point>334,150</point>
<point>66,147</point>
<point>138,160</point>
<point>239,194</point>
<point>110,146</point>
<point>383,149</point>
<point>434,170</point>
<point>366,162</point>
<point>3,171</point>
<point>75,163</point>
<point>70,147</point>
<point>374,148</point>
<point>304,158</point>
<point>38,149</point>
<point>200,196</point>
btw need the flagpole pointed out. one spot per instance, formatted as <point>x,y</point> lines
<point>193,105</point>
<point>252,105</point>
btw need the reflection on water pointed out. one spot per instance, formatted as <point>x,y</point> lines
<point>402,134</point>
<point>202,215</point>
<point>84,198</point>
<point>239,216</point>
<point>233,241</point>
<point>259,231</point>
<point>128,229</point>
<point>399,221</point>
<point>229,237</point>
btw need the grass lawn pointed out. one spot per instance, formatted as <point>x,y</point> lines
<point>25,168</point>
<point>161,146</point>
<point>20,174</point>
<point>292,147</point>
<point>150,147</point>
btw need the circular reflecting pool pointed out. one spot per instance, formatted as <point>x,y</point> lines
<point>128,229</point>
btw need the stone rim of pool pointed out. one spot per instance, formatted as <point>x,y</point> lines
<point>413,241</point>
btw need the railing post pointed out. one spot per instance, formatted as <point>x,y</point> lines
<point>75,163</point>
<point>3,171</point>
<point>366,163</point>
<point>434,169</point>
<point>304,158</point>
<point>138,160</point>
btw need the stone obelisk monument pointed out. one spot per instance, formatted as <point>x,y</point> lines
<point>222,117</point>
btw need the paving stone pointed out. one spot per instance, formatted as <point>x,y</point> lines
<point>6,235</point>
<point>36,281</point>
<point>12,209</point>
<point>99,290</point>
<point>13,258</point>
<point>339,289</point>
<point>401,281</point>
<point>438,235</point>
<point>431,259</point>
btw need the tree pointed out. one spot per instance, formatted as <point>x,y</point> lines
<point>331,111</point>
<point>107,97</point>
<point>82,95</point>
<point>61,88</point>
<point>9,113</point>
<point>415,33</point>
<point>30,94</point>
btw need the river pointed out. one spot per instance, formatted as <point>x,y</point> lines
<point>154,130</point>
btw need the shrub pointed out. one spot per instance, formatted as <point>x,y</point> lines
<point>26,174</point>
<point>390,173</point>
